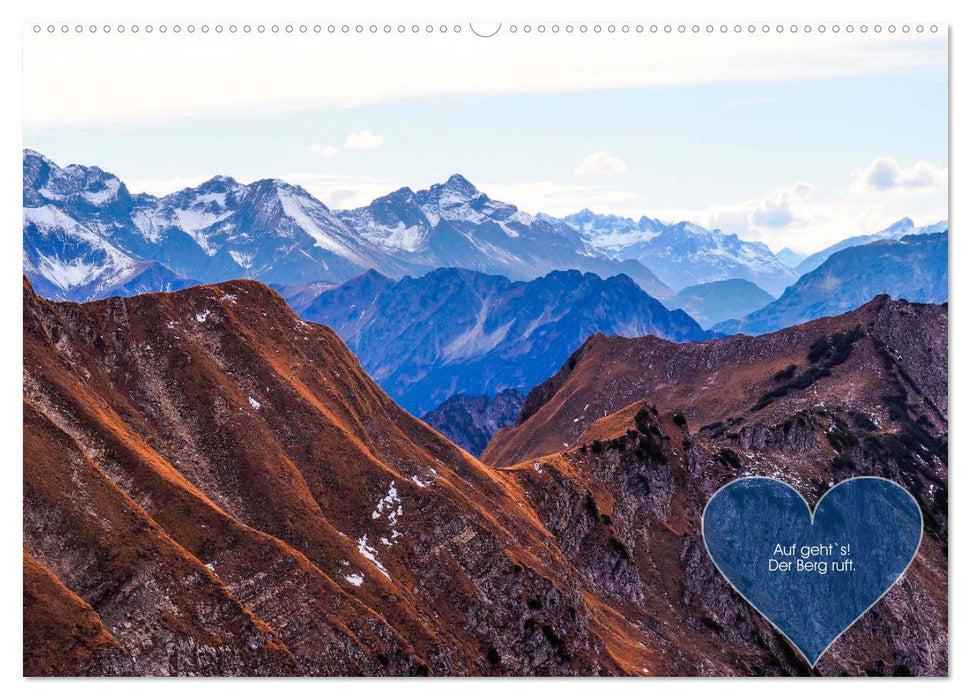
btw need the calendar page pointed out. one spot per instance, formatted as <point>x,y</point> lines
<point>427,348</point>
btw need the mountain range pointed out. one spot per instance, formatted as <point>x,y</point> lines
<point>682,254</point>
<point>453,224</point>
<point>897,230</point>
<point>214,486</point>
<point>455,331</point>
<point>86,236</point>
<point>914,267</point>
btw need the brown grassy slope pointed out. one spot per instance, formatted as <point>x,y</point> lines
<point>63,635</point>
<point>627,514</point>
<point>197,496</point>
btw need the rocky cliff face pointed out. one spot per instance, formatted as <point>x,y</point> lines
<point>654,429</point>
<point>471,421</point>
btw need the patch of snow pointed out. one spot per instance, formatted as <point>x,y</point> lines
<point>195,222</point>
<point>390,503</point>
<point>314,221</point>
<point>203,315</point>
<point>475,341</point>
<point>244,260</point>
<point>254,403</point>
<point>371,554</point>
<point>218,198</point>
<point>98,260</point>
<point>419,483</point>
<point>105,195</point>
<point>146,224</point>
<point>397,237</point>
<point>354,579</point>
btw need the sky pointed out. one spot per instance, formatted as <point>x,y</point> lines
<point>794,140</point>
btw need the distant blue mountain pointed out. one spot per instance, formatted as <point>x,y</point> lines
<point>898,229</point>
<point>912,268</point>
<point>471,421</point>
<point>682,254</point>
<point>714,302</point>
<point>456,331</point>
<point>789,257</point>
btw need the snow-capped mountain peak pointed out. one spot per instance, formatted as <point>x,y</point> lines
<point>895,231</point>
<point>898,228</point>
<point>461,187</point>
<point>682,253</point>
<point>403,220</point>
<point>277,232</point>
<point>609,232</point>
<point>77,184</point>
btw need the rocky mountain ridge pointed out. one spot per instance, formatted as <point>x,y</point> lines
<point>624,446</point>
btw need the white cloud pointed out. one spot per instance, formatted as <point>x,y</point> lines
<point>758,217</point>
<point>601,163</point>
<point>772,213</point>
<point>806,218</point>
<point>327,151</point>
<point>886,174</point>
<point>363,139</point>
<point>776,210</point>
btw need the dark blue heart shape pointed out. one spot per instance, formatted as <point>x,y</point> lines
<point>752,522</point>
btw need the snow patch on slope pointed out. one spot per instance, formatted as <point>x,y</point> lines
<point>475,341</point>
<point>371,554</point>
